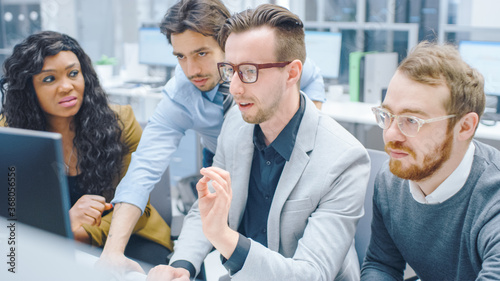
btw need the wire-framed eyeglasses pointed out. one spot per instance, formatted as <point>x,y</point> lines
<point>248,72</point>
<point>407,124</point>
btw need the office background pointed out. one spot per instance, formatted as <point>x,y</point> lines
<point>123,28</point>
<point>104,26</point>
<point>127,30</point>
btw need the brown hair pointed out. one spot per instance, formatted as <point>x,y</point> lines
<point>202,16</point>
<point>289,29</point>
<point>436,64</point>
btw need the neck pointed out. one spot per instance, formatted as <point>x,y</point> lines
<point>65,127</point>
<point>273,127</point>
<point>62,125</point>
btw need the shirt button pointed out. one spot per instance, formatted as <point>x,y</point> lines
<point>264,230</point>
<point>268,163</point>
<point>267,197</point>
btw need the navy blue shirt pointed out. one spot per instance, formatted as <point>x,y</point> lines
<point>267,164</point>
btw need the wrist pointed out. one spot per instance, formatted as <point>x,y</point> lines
<point>226,242</point>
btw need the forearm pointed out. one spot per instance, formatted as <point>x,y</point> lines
<point>125,216</point>
<point>225,242</point>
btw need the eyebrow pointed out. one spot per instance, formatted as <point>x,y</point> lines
<point>406,110</point>
<point>193,52</point>
<point>66,68</point>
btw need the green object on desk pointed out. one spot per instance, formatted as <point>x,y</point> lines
<point>354,74</point>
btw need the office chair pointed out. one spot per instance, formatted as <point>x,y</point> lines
<point>187,194</point>
<point>363,231</point>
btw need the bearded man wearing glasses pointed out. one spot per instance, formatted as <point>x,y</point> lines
<point>288,182</point>
<point>437,203</point>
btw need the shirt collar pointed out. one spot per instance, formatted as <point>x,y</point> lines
<point>285,141</point>
<point>210,95</point>
<point>450,186</point>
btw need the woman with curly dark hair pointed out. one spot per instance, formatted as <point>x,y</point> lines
<point>49,84</point>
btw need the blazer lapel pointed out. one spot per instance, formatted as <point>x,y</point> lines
<point>292,171</point>
<point>241,165</point>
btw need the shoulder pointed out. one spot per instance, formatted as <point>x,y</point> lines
<point>132,131</point>
<point>487,154</point>
<point>334,137</point>
<point>486,168</point>
<point>124,113</point>
<point>331,147</point>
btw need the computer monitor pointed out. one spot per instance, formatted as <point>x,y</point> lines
<point>154,48</point>
<point>485,57</point>
<point>323,48</point>
<point>34,184</point>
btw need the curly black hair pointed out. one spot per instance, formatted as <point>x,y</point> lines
<point>97,127</point>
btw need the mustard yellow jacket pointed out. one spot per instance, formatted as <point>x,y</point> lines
<point>150,225</point>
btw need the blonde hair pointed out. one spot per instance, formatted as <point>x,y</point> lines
<point>436,64</point>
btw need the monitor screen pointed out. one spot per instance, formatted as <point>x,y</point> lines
<point>485,57</point>
<point>154,48</point>
<point>34,184</point>
<point>323,48</point>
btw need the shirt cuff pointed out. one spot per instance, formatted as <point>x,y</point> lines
<point>186,265</point>
<point>237,259</point>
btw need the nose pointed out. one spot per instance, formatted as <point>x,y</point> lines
<point>393,133</point>
<point>236,86</point>
<point>65,86</point>
<point>193,68</point>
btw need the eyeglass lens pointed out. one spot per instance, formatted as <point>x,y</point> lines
<point>407,124</point>
<point>247,72</point>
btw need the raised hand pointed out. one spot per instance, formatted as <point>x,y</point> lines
<point>214,209</point>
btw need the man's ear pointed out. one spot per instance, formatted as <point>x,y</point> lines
<point>466,126</point>
<point>294,72</point>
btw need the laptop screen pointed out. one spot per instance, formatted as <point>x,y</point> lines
<point>34,185</point>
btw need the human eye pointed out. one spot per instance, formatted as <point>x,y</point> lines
<point>202,54</point>
<point>74,73</point>
<point>410,120</point>
<point>179,56</point>
<point>248,69</point>
<point>227,72</point>
<point>48,79</point>
<point>251,71</point>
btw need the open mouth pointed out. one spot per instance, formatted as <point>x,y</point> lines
<point>244,105</point>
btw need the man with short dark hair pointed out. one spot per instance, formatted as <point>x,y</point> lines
<point>437,203</point>
<point>194,99</point>
<point>288,182</point>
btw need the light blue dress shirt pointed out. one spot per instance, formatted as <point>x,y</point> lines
<point>185,107</point>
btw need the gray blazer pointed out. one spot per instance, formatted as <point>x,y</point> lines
<point>317,204</point>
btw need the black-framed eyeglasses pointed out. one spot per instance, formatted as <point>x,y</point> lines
<point>248,72</point>
<point>407,124</point>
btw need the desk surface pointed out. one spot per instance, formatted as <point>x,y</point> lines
<point>360,113</point>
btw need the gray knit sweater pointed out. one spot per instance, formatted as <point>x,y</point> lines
<point>458,239</point>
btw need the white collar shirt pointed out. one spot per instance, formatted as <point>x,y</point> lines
<point>450,186</point>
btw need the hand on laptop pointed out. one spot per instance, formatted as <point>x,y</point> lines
<point>88,210</point>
